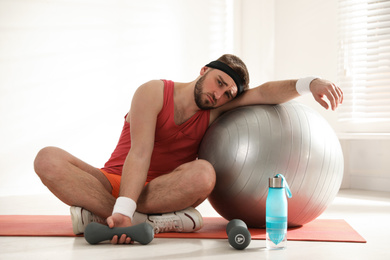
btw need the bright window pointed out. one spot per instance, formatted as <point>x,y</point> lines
<point>364,64</point>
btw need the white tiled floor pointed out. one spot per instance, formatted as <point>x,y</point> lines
<point>367,212</point>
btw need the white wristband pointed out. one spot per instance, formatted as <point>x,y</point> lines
<point>125,206</point>
<point>303,85</point>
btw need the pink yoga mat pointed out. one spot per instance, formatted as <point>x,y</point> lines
<point>329,230</point>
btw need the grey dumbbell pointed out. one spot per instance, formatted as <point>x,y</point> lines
<point>95,233</point>
<point>238,234</point>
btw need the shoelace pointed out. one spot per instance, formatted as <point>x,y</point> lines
<point>166,225</point>
<point>97,219</point>
<point>93,218</point>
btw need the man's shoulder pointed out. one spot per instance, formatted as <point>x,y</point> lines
<point>151,88</point>
<point>153,84</point>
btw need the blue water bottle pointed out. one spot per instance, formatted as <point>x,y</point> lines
<point>276,213</point>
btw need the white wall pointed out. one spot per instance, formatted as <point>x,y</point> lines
<point>257,34</point>
<point>306,44</point>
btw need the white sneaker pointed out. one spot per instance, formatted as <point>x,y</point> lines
<point>81,218</point>
<point>186,220</point>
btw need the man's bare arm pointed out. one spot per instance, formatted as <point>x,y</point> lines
<point>277,92</point>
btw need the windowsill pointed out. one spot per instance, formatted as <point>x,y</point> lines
<point>363,136</point>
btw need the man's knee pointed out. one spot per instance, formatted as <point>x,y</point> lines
<point>46,162</point>
<point>204,175</point>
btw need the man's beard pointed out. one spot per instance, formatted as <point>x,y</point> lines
<point>204,105</point>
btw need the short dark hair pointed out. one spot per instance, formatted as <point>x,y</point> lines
<point>238,66</point>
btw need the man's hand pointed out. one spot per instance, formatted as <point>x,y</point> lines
<point>322,88</point>
<point>119,220</point>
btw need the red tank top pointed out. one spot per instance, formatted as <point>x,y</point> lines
<point>174,144</point>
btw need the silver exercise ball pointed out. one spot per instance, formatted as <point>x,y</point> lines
<point>250,144</point>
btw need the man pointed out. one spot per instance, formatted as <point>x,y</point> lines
<point>153,171</point>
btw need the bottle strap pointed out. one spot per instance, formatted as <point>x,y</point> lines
<point>288,192</point>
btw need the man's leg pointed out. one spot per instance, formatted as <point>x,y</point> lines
<point>187,186</point>
<point>176,194</point>
<point>74,182</point>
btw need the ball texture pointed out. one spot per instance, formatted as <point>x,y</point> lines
<point>248,145</point>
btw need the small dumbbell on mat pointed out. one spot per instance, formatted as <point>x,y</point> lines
<point>238,234</point>
<point>95,233</point>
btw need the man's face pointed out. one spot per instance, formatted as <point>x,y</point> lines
<point>214,89</point>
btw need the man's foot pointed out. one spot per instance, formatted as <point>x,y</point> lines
<point>81,218</point>
<point>186,220</point>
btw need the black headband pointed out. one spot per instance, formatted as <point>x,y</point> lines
<point>225,68</point>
